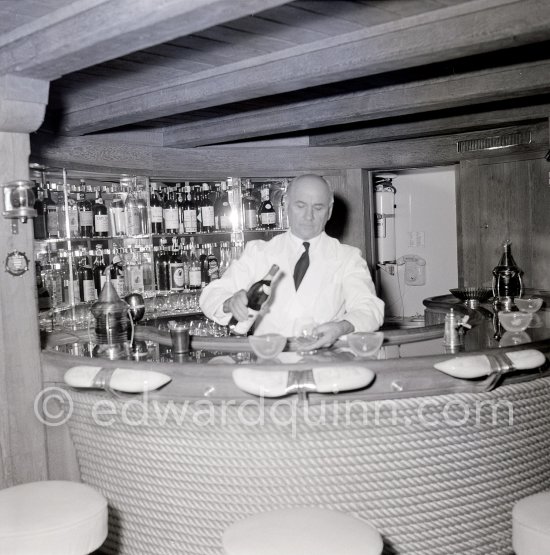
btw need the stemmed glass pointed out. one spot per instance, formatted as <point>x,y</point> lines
<point>304,331</point>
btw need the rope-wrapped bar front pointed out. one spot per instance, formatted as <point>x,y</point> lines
<point>435,475</point>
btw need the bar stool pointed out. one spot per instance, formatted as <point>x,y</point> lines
<point>302,531</point>
<point>531,525</point>
<point>52,518</point>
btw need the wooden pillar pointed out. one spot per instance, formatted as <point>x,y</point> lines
<point>22,435</point>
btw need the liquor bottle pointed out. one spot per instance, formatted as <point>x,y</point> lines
<point>39,222</point>
<point>257,295</point>
<point>177,275</point>
<point>117,216</point>
<point>194,271</point>
<point>148,274</point>
<point>212,265</point>
<point>74,227</point>
<point>52,214</point>
<point>86,280</point>
<point>156,210</point>
<point>85,213</point>
<point>142,209</point>
<point>44,299</point>
<point>223,211</point>
<point>282,212</point>
<point>99,270</point>
<point>185,260</point>
<point>204,265</point>
<point>197,193</point>
<point>179,202</point>
<point>162,268</point>
<point>250,208</point>
<point>131,208</point>
<point>118,273</point>
<point>170,213</point>
<point>101,217</point>
<point>267,213</point>
<point>207,210</point>
<point>189,212</point>
<point>134,273</point>
<point>507,277</point>
<point>51,276</point>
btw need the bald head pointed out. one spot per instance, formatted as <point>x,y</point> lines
<point>309,200</point>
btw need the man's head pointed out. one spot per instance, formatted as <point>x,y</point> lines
<point>309,202</point>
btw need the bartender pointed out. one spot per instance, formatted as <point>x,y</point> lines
<point>320,281</point>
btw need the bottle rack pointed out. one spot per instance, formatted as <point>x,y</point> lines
<point>146,243</point>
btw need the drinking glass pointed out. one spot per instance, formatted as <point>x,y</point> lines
<point>304,331</point>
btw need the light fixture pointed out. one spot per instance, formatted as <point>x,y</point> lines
<point>18,202</point>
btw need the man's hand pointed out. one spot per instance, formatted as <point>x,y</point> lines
<point>237,305</point>
<point>329,332</point>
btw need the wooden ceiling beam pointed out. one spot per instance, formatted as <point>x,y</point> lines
<point>460,30</point>
<point>88,32</point>
<point>417,97</point>
<point>430,127</point>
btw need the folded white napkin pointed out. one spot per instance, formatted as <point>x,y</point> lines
<point>120,379</point>
<point>276,383</point>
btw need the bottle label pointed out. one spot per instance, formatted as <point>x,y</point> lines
<point>241,328</point>
<point>207,216</point>
<point>101,222</point>
<point>135,278</point>
<point>190,221</point>
<point>225,222</point>
<point>250,219</point>
<point>52,220</point>
<point>119,286</point>
<point>194,277</point>
<point>73,222</point>
<point>156,214</point>
<point>213,269</point>
<point>268,218</point>
<point>177,276</point>
<point>133,221</point>
<point>88,290</point>
<point>86,218</point>
<point>171,219</point>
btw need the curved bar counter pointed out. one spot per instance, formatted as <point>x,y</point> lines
<point>434,462</point>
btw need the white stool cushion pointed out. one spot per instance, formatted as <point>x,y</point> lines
<point>531,525</point>
<point>52,518</point>
<point>302,531</point>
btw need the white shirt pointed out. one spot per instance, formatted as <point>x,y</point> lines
<point>336,286</point>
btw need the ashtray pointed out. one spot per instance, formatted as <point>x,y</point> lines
<point>472,296</point>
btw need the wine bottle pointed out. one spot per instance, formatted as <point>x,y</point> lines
<point>39,221</point>
<point>156,210</point>
<point>267,213</point>
<point>189,212</point>
<point>101,217</point>
<point>131,208</point>
<point>212,265</point>
<point>85,214</point>
<point>257,295</point>
<point>99,270</point>
<point>207,210</point>
<point>52,221</point>
<point>194,271</point>
<point>223,210</point>
<point>250,209</point>
<point>170,213</point>
<point>162,268</point>
<point>86,280</point>
<point>177,276</point>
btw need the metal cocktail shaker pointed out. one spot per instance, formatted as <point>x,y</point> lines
<point>507,278</point>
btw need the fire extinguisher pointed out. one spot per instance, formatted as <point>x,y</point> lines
<point>384,193</point>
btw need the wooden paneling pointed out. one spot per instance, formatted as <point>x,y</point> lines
<point>498,200</point>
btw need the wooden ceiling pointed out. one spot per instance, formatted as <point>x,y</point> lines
<point>333,72</point>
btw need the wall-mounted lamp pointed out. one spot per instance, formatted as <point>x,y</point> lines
<point>18,202</point>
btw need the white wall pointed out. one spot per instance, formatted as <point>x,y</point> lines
<point>425,204</point>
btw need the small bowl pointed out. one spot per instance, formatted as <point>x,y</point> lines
<point>514,321</point>
<point>365,344</point>
<point>267,346</point>
<point>529,304</point>
<point>472,296</point>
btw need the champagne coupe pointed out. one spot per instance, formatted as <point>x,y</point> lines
<point>304,331</point>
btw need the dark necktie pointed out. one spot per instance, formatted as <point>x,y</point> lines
<point>301,266</point>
